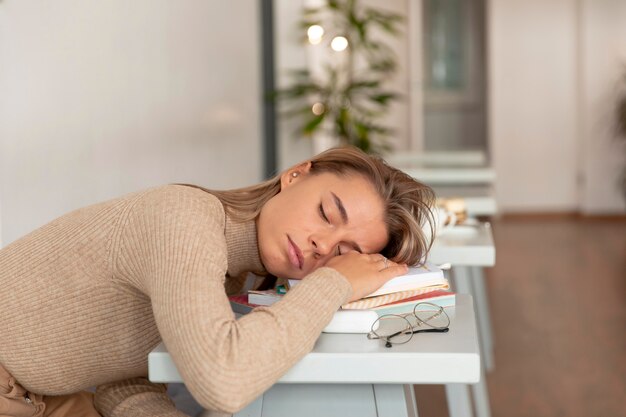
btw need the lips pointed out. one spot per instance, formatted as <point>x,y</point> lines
<point>295,254</point>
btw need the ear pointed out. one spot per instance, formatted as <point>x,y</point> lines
<point>294,174</point>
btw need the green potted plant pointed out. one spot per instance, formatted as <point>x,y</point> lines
<point>348,98</point>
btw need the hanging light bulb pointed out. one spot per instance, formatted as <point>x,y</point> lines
<point>315,33</point>
<point>318,109</point>
<point>339,43</point>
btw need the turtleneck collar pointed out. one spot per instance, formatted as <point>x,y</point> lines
<point>242,246</point>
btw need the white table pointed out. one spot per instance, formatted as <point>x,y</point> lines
<point>465,245</point>
<point>469,249</point>
<point>470,177</point>
<point>451,175</point>
<point>437,158</point>
<point>348,375</point>
<point>479,198</point>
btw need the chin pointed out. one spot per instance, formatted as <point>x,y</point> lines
<point>281,273</point>
<point>273,266</point>
<point>277,266</point>
<point>285,274</point>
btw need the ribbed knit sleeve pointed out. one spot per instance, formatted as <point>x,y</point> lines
<point>173,247</point>
<point>136,397</point>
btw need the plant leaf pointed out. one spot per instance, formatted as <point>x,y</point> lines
<point>313,124</point>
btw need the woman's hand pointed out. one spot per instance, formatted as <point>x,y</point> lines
<point>366,273</point>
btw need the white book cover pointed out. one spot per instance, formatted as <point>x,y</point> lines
<point>263,298</point>
<point>423,276</point>
<point>417,277</point>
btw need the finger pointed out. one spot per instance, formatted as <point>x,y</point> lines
<point>394,270</point>
<point>392,263</point>
<point>386,262</point>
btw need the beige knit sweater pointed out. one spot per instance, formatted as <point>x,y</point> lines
<point>85,298</point>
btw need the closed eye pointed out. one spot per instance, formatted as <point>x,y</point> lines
<point>323,214</point>
<point>344,247</point>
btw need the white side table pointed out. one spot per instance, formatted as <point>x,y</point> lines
<point>349,375</point>
<point>451,175</point>
<point>437,158</point>
<point>469,249</point>
<point>479,198</point>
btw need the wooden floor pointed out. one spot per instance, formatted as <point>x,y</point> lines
<point>558,307</point>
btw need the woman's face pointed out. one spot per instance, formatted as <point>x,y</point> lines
<point>316,217</point>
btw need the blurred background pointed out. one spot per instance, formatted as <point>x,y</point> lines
<point>98,99</point>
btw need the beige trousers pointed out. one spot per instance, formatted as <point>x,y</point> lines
<point>15,401</point>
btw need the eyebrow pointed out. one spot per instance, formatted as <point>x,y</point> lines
<point>341,208</point>
<point>344,218</point>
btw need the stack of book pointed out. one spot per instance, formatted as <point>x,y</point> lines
<point>425,283</point>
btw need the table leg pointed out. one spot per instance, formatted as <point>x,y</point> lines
<point>465,279</point>
<point>480,394</point>
<point>483,316</point>
<point>411,404</point>
<point>470,280</point>
<point>459,402</point>
<point>461,280</point>
<point>394,400</point>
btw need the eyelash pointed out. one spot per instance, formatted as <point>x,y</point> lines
<point>323,214</point>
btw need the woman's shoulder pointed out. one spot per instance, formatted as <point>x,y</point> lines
<point>181,197</point>
<point>190,190</point>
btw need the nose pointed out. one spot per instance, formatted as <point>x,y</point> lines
<point>323,244</point>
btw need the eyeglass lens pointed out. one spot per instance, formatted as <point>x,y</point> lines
<point>430,315</point>
<point>396,329</point>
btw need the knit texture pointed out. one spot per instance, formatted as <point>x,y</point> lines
<point>85,298</point>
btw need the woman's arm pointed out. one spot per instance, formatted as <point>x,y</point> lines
<point>135,397</point>
<point>175,247</point>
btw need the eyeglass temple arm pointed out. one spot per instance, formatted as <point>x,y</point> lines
<point>442,330</point>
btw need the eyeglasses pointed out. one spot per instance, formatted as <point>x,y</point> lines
<point>397,329</point>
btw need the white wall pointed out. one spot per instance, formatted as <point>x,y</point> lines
<point>603,48</point>
<point>102,98</point>
<point>553,67</point>
<point>533,103</point>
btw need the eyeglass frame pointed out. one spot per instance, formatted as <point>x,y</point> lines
<point>372,335</point>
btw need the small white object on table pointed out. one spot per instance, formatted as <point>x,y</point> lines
<point>350,375</point>
<point>478,199</point>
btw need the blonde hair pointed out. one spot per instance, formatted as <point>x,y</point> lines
<point>407,202</point>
